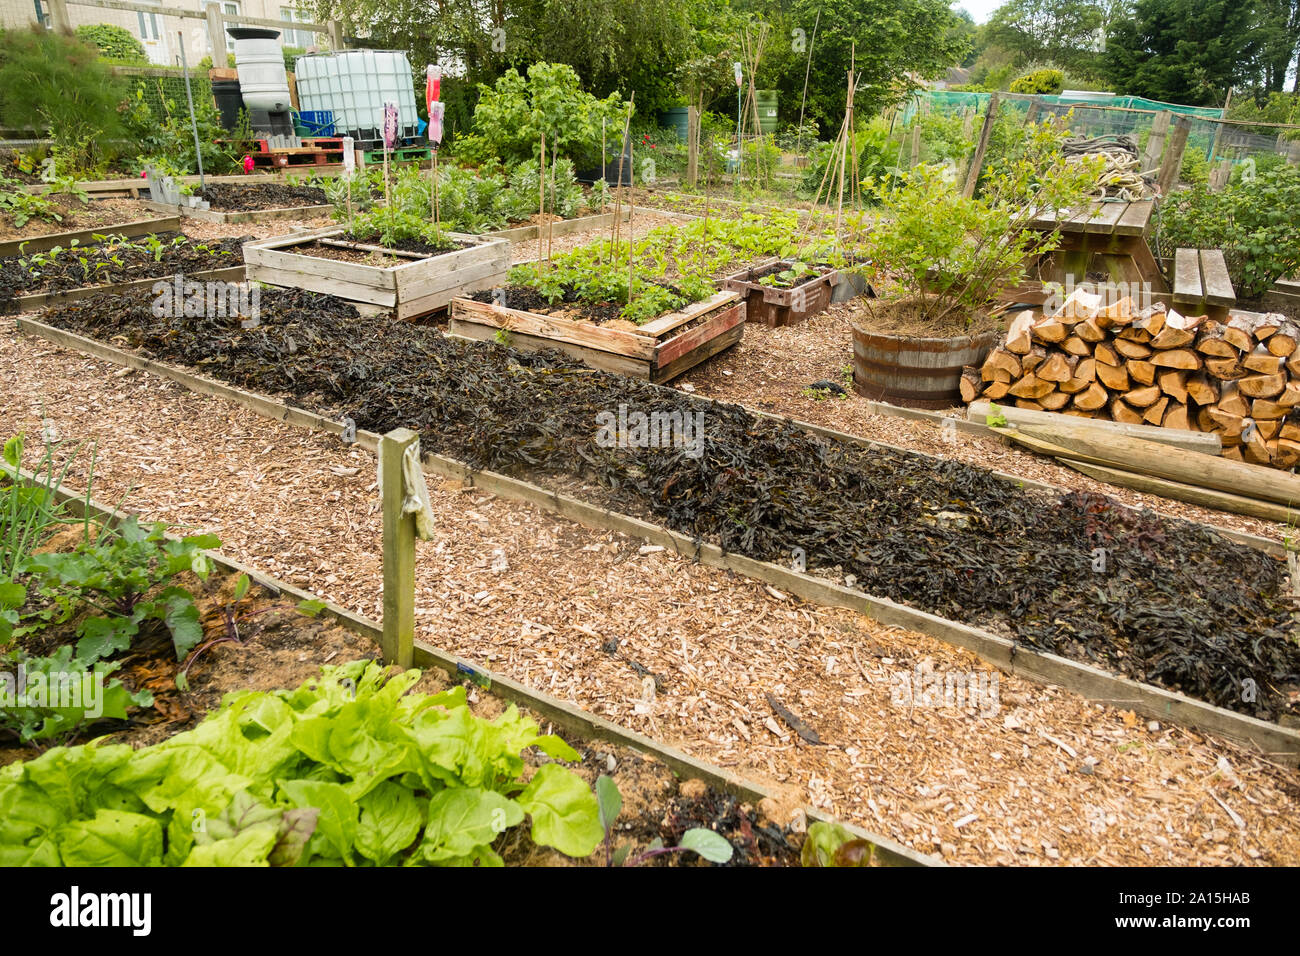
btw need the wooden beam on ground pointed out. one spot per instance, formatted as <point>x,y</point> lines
<point>1205,497</point>
<point>1205,443</point>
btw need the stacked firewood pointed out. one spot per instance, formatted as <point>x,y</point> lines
<point>1239,378</point>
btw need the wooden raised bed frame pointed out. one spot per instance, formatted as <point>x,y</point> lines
<point>656,351</point>
<point>43,300</point>
<point>412,288</point>
<point>139,227</point>
<point>773,306</point>
<point>243,215</point>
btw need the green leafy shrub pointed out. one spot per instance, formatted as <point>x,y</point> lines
<point>520,200</point>
<point>1256,223</point>
<point>22,206</point>
<point>954,255</point>
<point>113,42</point>
<point>1046,81</point>
<point>348,770</point>
<point>58,87</point>
<point>125,575</point>
<point>513,113</point>
<point>169,145</point>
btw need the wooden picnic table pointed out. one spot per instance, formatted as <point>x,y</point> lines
<point>1104,241</point>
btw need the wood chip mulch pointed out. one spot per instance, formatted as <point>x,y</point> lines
<point>690,655</point>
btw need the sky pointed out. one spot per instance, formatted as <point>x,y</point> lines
<point>979,9</point>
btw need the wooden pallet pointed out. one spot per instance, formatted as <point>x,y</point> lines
<point>657,351</point>
<point>414,287</point>
<point>771,306</point>
<point>282,158</point>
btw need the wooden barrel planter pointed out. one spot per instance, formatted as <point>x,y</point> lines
<point>915,372</point>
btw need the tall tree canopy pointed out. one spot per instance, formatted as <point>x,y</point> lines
<point>1185,51</point>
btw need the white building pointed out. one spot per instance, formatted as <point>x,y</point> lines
<point>161,35</point>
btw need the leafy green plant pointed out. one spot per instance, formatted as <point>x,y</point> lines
<point>829,844</point>
<point>121,575</point>
<point>351,769</point>
<point>1044,81</point>
<point>22,206</point>
<point>953,255</point>
<point>513,113</point>
<point>113,42</point>
<point>62,695</point>
<point>703,842</point>
<point>58,86</point>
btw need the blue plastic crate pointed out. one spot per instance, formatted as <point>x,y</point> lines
<point>320,122</point>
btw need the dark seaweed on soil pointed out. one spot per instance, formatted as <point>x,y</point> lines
<point>66,271</point>
<point>236,197</point>
<point>1177,606</point>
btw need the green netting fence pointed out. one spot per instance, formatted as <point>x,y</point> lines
<point>165,83</point>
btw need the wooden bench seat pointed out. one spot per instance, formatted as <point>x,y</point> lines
<point>1201,279</point>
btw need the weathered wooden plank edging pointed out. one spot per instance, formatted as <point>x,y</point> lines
<point>33,303</point>
<point>570,718</point>
<point>1278,743</point>
<point>138,227</point>
<point>244,215</point>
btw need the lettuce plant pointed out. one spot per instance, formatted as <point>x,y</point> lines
<point>351,769</point>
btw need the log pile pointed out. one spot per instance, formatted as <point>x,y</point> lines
<point>1239,378</point>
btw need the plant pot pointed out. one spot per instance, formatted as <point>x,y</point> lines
<point>914,371</point>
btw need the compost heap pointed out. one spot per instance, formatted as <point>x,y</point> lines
<point>1173,604</point>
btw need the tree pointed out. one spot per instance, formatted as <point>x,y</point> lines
<point>1066,33</point>
<point>1279,34</point>
<point>895,46</point>
<point>1184,51</point>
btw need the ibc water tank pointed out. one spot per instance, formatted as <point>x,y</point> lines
<point>262,79</point>
<point>354,85</point>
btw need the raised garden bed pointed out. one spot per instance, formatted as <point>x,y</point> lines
<point>412,284</point>
<point>113,223</point>
<point>791,301</point>
<point>266,635</point>
<point>1177,606</point>
<point>255,202</point>
<point>38,280</point>
<point>658,351</point>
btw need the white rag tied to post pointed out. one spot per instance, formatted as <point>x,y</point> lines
<point>415,493</point>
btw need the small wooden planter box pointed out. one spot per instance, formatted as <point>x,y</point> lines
<point>247,215</point>
<point>656,351</point>
<point>411,288</point>
<point>772,306</point>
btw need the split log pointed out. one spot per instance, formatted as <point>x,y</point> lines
<point>1176,417</point>
<point>1105,354</point>
<point>1018,338</point>
<point>999,360</point>
<point>1121,412</point>
<point>1286,453</point>
<point>1057,368</point>
<point>1089,331</point>
<point>1030,387</point>
<point>1263,361</point>
<point>1143,397</point>
<point>1176,358</point>
<point>1076,346</point>
<point>970,385</point>
<point>1113,377</point>
<point>1155,413</point>
<point>1172,338</point>
<point>1091,399</point>
<point>1285,341</point>
<point>1202,390</point>
<point>1086,370</point>
<point>1029,404</point>
<point>1262,386</point>
<point>1230,400</point>
<point>1212,342</point>
<point>1226,370</point>
<point>997,390</point>
<point>1173,382</point>
<point>1049,331</point>
<point>1141,371</point>
<point>1133,350</point>
<point>1054,401</point>
<point>1035,357</point>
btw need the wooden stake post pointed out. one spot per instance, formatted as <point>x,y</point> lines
<point>977,161</point>
<point>399,550</point>
<point>1174,155</point>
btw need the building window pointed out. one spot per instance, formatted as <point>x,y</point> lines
<point>230,10</point>
<point>297,38</point>
<point>149,23</point>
